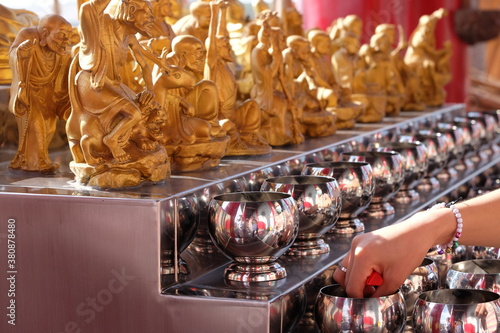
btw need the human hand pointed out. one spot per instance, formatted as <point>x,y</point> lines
<point>393,252</point>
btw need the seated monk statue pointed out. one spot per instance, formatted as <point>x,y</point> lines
<point>431,65</point>
<point>408,78</point>
<point>196,23</point>
<point>39,92</point>
<point>189,53</point>
<point>280,113</point>
<point>242,121</point>
<point>104,111</point>
<point>299,71</point>
<point>188,139</point>
<point>346,62</point>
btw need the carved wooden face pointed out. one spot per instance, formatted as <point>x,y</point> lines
<point>58,38</point>
<point>322,44</point>
<point>143,19</point>
<point>195,57</point>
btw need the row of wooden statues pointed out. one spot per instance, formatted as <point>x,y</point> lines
<point>141,97</point>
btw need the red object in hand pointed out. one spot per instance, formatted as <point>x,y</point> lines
<point>375,279</point>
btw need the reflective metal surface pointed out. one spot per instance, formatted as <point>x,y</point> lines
<point>423,278</point>
<point>454,147</point>
<point>335,312</point>
<point>475,274</point>
<point>116,234</point>
<point>357,187</point>
<point>457,310</point>
<point>318,201</point>
<point>472,138</point>
<point>177,231</point>
<point>202,242</point>
<point>388,173</point>
<point>489,130</point>
<point>415,166</point>
<point>253,229</point>
<point>437,157</point>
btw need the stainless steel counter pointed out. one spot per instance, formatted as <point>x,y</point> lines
<point>89,260</point>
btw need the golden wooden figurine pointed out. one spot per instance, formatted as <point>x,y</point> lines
<point>161,33</point>
<point>243,46</point>
<point>292,20</point>
<point>189,53</point>
<point>258,6</point>
<point>351,24</point>
<point>370,84</point>
<point>280,113</point>
<point>187,138</point>
<point>346,62</point>
<point>39,90</point>
<point>339,99</point>
<point>242,121</point>
<point>306,89</point>
<point>431,65</point>
<point>235,17</point>
<point>378,84</point>
<point>196,23</point>
<point>105,127</point>
<point>11,22</point>
<point>407,77</point>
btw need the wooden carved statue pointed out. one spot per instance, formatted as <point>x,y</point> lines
<point>161,33</point>
<point>408,78</point>
<point>242,121</point>
<point>258,6</point>
<point>370,84</point>
<point>108,150</point>
<point>244,45</point>
<point>292,20</point>
<point>11,22</point>
<point>346,62</point>
<point>235,18</point>
<point>351,24</point>
<point>178,11</point>
<point>280,117</point>
<point>196,23</point>
<point>431,65</point>
<point>187,138</point>
<point>311,98</point>
<point>323,78</point>
<point>189,53</point>
<point>39,90</point>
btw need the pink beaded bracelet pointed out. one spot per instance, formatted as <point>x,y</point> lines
<point>458,232</point>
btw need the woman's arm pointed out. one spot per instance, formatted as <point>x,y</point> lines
<point>396,250</point>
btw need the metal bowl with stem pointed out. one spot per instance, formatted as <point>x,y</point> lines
<point>357,186</point>
<point>415,165</point>
<point>388,172</point>
<point>319,203</point>
<point>253,229</point>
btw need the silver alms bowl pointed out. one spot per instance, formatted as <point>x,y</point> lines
<point>253,229</point>
<point>318,201</point>
<point>335,312</point>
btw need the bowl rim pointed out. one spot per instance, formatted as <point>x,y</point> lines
<point>493,297</point>
<point>252,196</point>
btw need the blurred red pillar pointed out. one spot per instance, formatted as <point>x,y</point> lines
<point>320,14</point>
